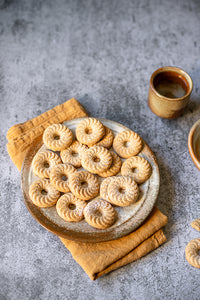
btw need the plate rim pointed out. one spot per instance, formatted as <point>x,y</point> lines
<point>99,236</point>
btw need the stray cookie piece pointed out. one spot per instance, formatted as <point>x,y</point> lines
<point>96,159</point>
<point>84,185</point>
<point>192,253</point>
<point>59,176</point>
<point>127,143</point>
<point>99,214</point>
<point>70,208</point>
<point>196,224</point>
<point>43,162</point>
<point>57,137</point>
<point>123,191</point>
<point>114,168</point>
<point>107,140</point>
<point>89,131</point>
<point>138,168</point>
<point>43,194</point>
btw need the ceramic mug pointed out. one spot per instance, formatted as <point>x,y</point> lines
<point>194,143</point>
<point>169,92</point>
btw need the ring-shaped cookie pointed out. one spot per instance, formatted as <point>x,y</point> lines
<point>114,168</point>
<point>107,140</point>
<point>127,143</point>
<point>137,167</point>
<point>104,188</point>
<point>84,185</point>
<point>43,194</point>
<point>192,253</point>
<point>57,137</point>
<point>196,224</point>
<point>123,191</point>
<point>43,162</point>
<point>70,208</point>
<point>96,159</point>
<point>99,214</point>
<point>59,176</point>
<point>89,131</point>
<point>72,155</point>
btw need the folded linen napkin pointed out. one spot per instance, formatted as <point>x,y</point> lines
<point>21,136</point>
<point>96,259</point>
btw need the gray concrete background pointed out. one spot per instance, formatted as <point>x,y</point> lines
<point>102,53</point>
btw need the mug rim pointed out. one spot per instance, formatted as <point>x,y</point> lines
<point>191,145</point>
<point>175,70</point>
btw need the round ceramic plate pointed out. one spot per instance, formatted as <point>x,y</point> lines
<point>129,217</point>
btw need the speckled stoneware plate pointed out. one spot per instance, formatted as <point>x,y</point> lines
<point>129,218</point>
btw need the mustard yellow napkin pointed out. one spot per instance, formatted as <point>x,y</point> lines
<point>21,136</point>
<point>96,259</point>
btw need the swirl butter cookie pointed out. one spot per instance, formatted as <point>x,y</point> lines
<point>89,131</point>
<point>84,185</point>
<point>104,188</point>
<point>123,191</point>
<point>96,159</point>
<point>59,176</point>
<point>196,224</point>
<point>43,194</point>
<point>99,214</point>
<point>138,168</point>
<point>70,208</point>
<point>127,143</point>
<point>72,155</point>
<point>114,168</point>
<point>107,140</point>
<point>57,137</point>
<point>192,253</point>
<point>43,162</point>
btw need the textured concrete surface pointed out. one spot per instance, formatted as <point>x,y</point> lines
<point>102,53</point>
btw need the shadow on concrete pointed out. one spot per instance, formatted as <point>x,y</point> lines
<point>193,107</point>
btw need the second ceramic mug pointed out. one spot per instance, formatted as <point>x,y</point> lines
<point>169,92</point>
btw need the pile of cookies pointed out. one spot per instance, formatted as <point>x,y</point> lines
<point>72,190</point>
